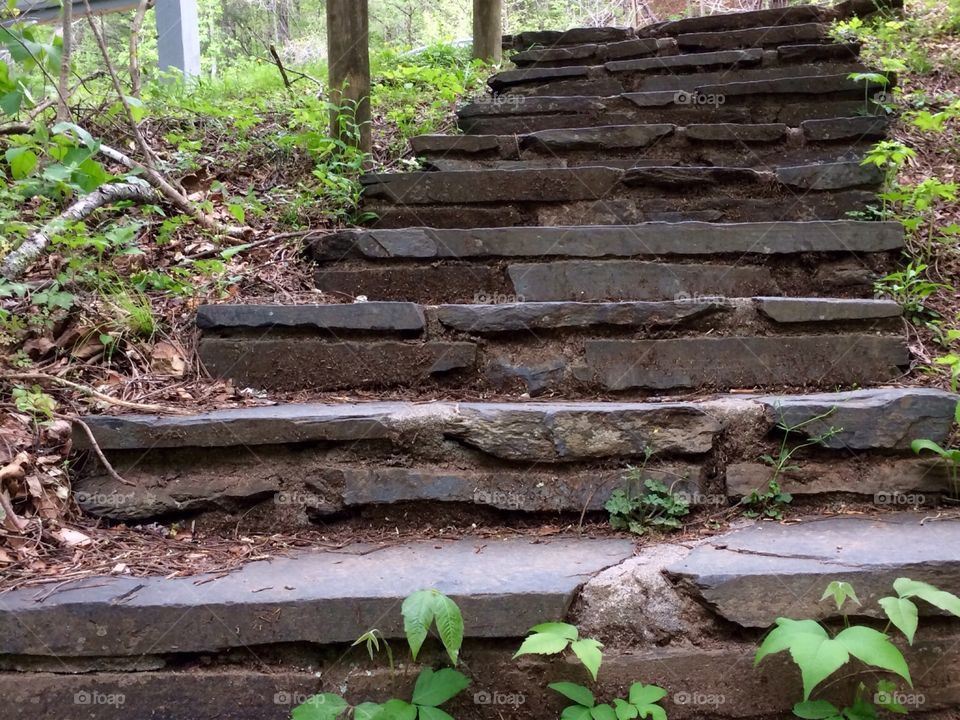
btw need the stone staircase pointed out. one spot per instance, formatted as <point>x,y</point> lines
<point>647,247</point>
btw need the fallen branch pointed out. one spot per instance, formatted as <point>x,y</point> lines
<point>17,262</point>
<point>44,377</point>
<point>13,471</point>
<point>95,446</point>
<point>279,63</point>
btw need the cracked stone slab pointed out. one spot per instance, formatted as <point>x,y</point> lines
<point>454,143</point>
<point>507,78</point>
<point>872,419</point>
<point>655,238</point>
<point>733,132</point>
<point>373,316</point>
<point>818,52</point>
<point>610,137</point>
<point>753,576</point>
<point>581,431</point>
<point>809,85</point>
<point>537,315</point>
<point>735,362</point>
<point>573,36</point>
<point>753,37</point>
<point>743,20</point>
<point>502,586</point>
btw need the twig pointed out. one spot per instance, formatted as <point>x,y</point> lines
<point>63,88</point>
<point>95,446</point>
<point>279,63</point>
<point>13,471</point>
<point>40,377</point>
<point>17,262</point>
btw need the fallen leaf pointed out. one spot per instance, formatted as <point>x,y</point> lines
<point>72,538</point>
<point>168,359</point>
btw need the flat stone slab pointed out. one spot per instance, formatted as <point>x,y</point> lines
<point>727,132</point>
<point>750,577</point>
<point>625,280</point>
<point>743,20</point>
<point>503,588</point>
<point>611,137</point>
<point>297,362</point>
<point>855,128</point>
<point>730,58</point>
<point>508,78</point>
<point>538,315</point>
<point>830,176</point>
<point>454,143</point>
<point>374,316</point>
<point>818,52</point>
<point>573,36</point>
<point>878,419</point>
<point>752,37</point>
<point>647,239</point>
<point>803,310</point>
<point>735,362</point>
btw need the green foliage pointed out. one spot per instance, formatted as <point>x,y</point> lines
<point>642,703</point>
<point>426,607</point>
<point>35,402</point>
<point>555,637</point>
<point>372,639</point>
<point>655,507</point>
<point>909,287</point>
<point>951,456</point>
<point>819,655</point>
<point>771,502</point>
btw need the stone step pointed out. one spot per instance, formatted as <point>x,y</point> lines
<point>787,16</point>
<point>651,261</point>
<point>719,144</point>
<point>502,587</point>
<point>679,72</point>
<point>790,100</point>
<point>574,36</point>
<point>695,677</point>
<point>293,464</point>
<point>605,195</point>
<point>569,347</point>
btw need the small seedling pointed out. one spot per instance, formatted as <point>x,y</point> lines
<point>555,637</point>
<point>951,456</point>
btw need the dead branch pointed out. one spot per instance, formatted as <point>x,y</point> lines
<point>95,446</point>
<point>17,262</point>
<point>44,377</point>
<point>13,471</point>
<point>279,63</point>
<point>135,48</point>
<point>63,88</point>
<point>164,186</point>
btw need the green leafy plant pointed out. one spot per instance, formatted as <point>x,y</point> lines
<point>642,702</point>
<point>818,654</point>
<point>655,507</point>
<point>35,402</point>
<point>372,639</point>
<point>555,637</point>
<point>772,501</point>
<point>909,287</point>
<point>426,607</point>
<point>951,456</point>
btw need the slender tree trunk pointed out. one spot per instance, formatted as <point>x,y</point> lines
<point>348,60</point>
<point>487,32</point>
<point>63,89</point>
<point>135,48</point>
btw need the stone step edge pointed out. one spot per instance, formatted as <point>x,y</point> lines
<point>645,239</point>
<point>486,318</point>
<point>503,587</point>
<point>918,412</point>
<point>631,137</point>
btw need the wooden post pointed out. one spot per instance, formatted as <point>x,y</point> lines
<point>487,30</point>
<point>178,36</point>
<point>348,58</point>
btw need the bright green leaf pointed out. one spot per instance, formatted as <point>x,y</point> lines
<point>434,688</point>
<point>818,658</point>
<point>936,597</point>
<point>923,444</point>
<point>874,648</point>
<point>397,710</point>
<point>575,712</point>
<point>22,162</point>
<point>325,706</point>
<point>902,614</point>
<point>780,638</point>
<point>10,103</point>
<point>449,624</point>
<point>624,710</point>
<point>588,650</point>
<point>542,644</point>
<point>432,713</point>
<point>603,712</point>
<point>578,693</point>
<point>641,694</point>
<point>367,711</point>
<point>417,611</point>
<point>564,630</point>
<point>840,592</point>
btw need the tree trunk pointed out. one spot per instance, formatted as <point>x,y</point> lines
<point>348,58</point>
<point>63,90</point>
<point>487,32</point>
